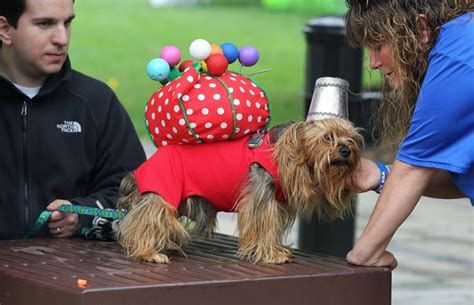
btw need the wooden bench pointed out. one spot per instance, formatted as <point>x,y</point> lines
<point>46,272</point>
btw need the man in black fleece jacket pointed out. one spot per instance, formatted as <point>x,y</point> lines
<point>65,137</point>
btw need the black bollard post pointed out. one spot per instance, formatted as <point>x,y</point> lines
<point>329,55</point>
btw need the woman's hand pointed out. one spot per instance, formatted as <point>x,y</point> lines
<point>365,178</point>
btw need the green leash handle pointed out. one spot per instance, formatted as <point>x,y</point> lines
<point>77,209</point>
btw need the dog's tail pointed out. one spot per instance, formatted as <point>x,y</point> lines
<point>128,192</point>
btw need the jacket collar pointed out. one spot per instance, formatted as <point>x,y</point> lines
<point>51,83</point>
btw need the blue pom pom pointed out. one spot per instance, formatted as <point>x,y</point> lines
<point>231,52</point>
<point>158,69</point>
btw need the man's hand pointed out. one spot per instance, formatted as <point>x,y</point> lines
<point>366,177</point>
<point>61,224</point>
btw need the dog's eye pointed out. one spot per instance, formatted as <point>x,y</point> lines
<point>328,138</point>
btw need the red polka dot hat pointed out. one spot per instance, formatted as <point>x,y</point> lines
<point>199,106</point>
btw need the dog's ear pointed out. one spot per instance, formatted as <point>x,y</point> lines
<point>289,143</point>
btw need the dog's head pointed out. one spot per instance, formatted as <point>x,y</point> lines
<point>315,159</point>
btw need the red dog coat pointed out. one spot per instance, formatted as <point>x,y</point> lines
<point>214,171</point>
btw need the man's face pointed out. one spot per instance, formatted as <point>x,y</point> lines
<point>40,41</point>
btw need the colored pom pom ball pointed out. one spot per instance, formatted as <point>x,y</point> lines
<point>158,69</point>
<point>248,56</point>
<point>204,66</point>
<point>215,49</point>
<point>171,54</point>
<point>200,49</point>
<point>231,52</point>
<point>185,64</point>
<point>217,64</point>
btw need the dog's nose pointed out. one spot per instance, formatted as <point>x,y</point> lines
<point>345,152</point>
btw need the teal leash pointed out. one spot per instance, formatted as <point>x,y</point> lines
<point>77,209</point>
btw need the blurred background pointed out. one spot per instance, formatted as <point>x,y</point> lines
<point>113,40</point>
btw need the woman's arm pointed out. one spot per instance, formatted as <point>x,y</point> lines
<point>442,186</point>
<point>399,197</point>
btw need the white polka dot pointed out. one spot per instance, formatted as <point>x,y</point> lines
<point>208,125</point>
<point>250,118</point>
<point>167,101</point>
<point>185,140</point>
<point>160,95</point>
<point>168,116</point>
<point>169,88</point>
<point>175,130</point>
<point>176,108</point>
<point>153,116</point>
<point>212,85</point>
<point>169,136</point>
<point>242,89</point>
<point>197,86</point>
<point>185,98</point>
<point>164,143</point>
<point>224,136</point>
<point>262,94</point>
<point>157,131</point>
<point>217,96</point>
<point>189,111</point>
<point>231,89</point>
<point>153,101</point>
<point>257,104</point>
<point>236,102</point>
<point>182,122</point>
<point>146,108</point>
<point>205,111</point>
<point>237,130</point>
<point>180,95</point>
<point>201,97</point>
<point>159,108</point>
<point>190,79</point>
<point>220,110</point>
<point>163,123</point>
<point>253,84</point>
<point>146,122</point>
<point>246,131</point>
<point>233,78</point>
<point>208,77</point>
<point>259,119</point>
<point>248,103</point>
<point>239,116</point>
<point>223,125</point>
<point>193,125</point>
<point>210,137</point>
<point>252,92</point>
<point>243,82</point>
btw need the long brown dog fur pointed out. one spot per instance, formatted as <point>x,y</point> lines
<point>315,159</point>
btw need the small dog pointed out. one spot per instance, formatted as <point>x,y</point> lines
<point>302,172</point>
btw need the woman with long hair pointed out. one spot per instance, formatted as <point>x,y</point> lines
<point>424,50</point>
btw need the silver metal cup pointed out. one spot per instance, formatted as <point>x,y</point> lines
<point>329,99</point>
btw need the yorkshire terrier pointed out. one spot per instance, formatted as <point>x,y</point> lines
<point>295,170</point>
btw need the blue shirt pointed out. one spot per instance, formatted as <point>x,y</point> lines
<point>441,133</point>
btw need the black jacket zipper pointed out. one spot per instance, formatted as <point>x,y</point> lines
<point>26,194</point>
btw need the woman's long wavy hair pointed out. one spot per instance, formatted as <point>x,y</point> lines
<point>397,23</point>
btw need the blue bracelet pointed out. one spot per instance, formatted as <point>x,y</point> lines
<point>384,172</point>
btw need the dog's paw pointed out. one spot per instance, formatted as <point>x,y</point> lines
<point>158,258</point>
<point>278,259</point>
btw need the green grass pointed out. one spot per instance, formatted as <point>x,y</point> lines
<point>113,40</point>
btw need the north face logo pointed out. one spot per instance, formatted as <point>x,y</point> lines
<point>70,127</point>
